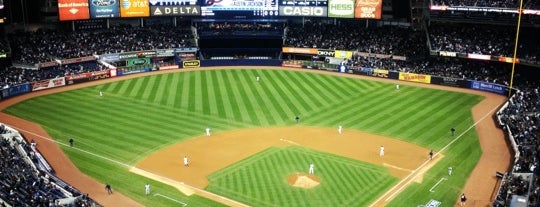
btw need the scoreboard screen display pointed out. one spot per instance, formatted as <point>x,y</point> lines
<point>235,8</point>
<point>301,8</point>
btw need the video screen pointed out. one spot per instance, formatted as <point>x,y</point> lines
<point>263,8</point>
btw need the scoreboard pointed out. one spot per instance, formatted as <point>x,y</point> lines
<point>96,9</point>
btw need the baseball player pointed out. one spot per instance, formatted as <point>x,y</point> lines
<point>463,199</point>
<point>339,129</point>
<point>207,132</point>
<point>453,131</point>
<point>100,93</point>
<point>381,151</point>
<point>450,171</point>
<point>186,161</point>
<point>147,189</point>
<point>430,154</point>
<point>397,86</point>
<point>258,78</point>
<point>108,188</point>
<point>311,168</point>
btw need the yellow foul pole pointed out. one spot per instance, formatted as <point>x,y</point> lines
<point>515,47</point>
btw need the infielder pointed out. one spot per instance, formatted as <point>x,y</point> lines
<point>311,168</point>
<point>147,189</point>
<point>339,129</point>
<point>100,93</point>
<point>207,132</point>
<point>381,151</point>
<point>186,161</point>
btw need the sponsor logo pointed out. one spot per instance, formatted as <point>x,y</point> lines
<point>146,54</point>
<point>326,53</point>
<point>103,2</point>
<point>175,11</point>
<point>313,11</point>
<point>380,73</point>
<point>191,64</point>
<point>447,54</point>
<point>341,8</point>
<point>139,61</point>
<point>127,55</point>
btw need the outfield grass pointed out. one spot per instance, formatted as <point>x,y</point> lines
<point>139,116</point>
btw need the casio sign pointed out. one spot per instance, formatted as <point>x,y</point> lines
<point>303,11</point>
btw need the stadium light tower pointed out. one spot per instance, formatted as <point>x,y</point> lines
<point>520,10</point>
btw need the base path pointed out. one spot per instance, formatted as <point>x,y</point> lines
<point>479,187</point>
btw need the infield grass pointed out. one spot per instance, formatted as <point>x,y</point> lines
<point>139,116</point>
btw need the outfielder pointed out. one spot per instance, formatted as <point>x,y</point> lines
<point>258,78</point>
<point>450,171</point>
<point>311,168</point>
<point>397,86</point>
<point>100,93</point>
<point>147,189</point>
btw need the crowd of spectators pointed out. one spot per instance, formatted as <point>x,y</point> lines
<point>11,76</point>
<point>354,36</point>
<point>48,45</point>
<point>25,185</point>
<point>522,118</point>
<point>485,39</point>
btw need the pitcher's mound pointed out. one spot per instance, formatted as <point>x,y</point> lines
<point>303,180</point>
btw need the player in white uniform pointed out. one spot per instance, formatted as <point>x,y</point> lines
<point>339,129</point>
<point>450,171</point>
<point>311,168</point>
<point>207,132</point>
<point>381,151</point>
<point>186,161</point>
<point>100,93</point>
<point>258,78</point>
<point>147,189</point>
<point>397,86</point>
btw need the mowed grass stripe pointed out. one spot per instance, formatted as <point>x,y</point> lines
<point>149,84</point>
<point>281,109</point>
<point>211,93</point>
<point>255,106</point>
<point>198,95</point>
<point>248,100</point>
<point>283,95</point>
<point>324,97</point>
<point>240,105</point>
<point>263,104</point>
<point>184,95</point>
<point>172,88</point>
<point>294,89</point>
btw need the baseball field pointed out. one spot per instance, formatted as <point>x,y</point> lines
<point>258,154</point>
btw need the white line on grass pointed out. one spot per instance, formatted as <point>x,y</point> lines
<point>87,152</point>
<point>172,199</point>
<point>406,181</point>
<point>436,184</point>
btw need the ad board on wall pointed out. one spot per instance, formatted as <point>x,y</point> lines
<point>73,10</point>
<point>134,8</point>
<point>104,9</point>
<point>368,9</point>
<point>341,8</point>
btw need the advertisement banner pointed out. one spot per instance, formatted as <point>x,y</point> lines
<point>137,62</point>
<point>303,11</point>
<point>77,60</point>
<point>191,64</point>
<point>186,49</point>
<point>368,9</point>
<point>291,64</point>
<point>380,73</point>
<point>413,77</point>
<point>110,57</point>
<point>186,10</point>
<point>47,64</point>
<point>326,53</point>
<point>490,87</point>
<point>73,10</point>
<point>187,56</point>
<point>50,83</point>
<point>165,53</point>
<point>134,8</point>
<point>16,90</point>
<point>85,77</point>
<point>341,8</point>
<point>104,9</point>
<point>343,54</point>
<point>297,50</point>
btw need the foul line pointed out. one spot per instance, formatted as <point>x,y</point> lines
<point>396,167</point>
<point>64,144</point>
<point>289,141</point>
<point>408,179</point>
<point>172,199</point>
<point>436,184</point>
